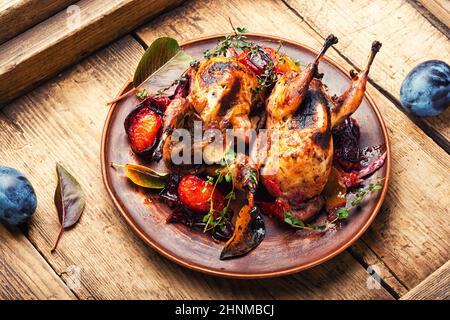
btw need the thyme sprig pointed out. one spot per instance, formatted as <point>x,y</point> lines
<point>236,41</point>
<point>222,218</point>
<point>341,213</point>
<point>142,94</point>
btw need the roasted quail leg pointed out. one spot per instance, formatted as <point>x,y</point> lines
<point>350,100</point>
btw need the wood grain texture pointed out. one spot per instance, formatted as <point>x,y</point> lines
<point>439,8</point>
<point>435,287</point>
<point>62,121</point>
<point>364,254</point>
<point>35,55</point>
<point>24,274</point>
<point>31,12</point>
<point>408,39</point>
<point>411,234</point>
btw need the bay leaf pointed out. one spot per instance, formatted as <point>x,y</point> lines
<point>143,176</point>
<point>156,56</point>
<point>164,77</point>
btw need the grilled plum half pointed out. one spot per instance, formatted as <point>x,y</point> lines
<point>143,130</point>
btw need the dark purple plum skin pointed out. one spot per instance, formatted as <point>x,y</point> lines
<point>426,89</point>
<point>17,197</point>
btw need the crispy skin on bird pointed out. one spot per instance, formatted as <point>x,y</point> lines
<point>301,116</point>
<point>222,93</point>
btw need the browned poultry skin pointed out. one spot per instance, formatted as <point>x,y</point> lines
<point>301,150</point>
<point>222,93</point>
<point>300,154</point>
<point>172,117</point>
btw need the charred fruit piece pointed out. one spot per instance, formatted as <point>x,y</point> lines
<point>159,103</point>
<point>170,193</point>
<point>257,59</point>
<point>351,179</point>
<point>275,209</point>
<point>195,193</point>
<point>346,145</point>
<point>248,234</point>
<point>143,127</point>
<point>304,211</point>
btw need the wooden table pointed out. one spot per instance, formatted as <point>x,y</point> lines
<point>408,245</point>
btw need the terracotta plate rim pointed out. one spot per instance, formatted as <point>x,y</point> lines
<point>160,249</point>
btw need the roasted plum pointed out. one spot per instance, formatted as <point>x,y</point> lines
<point>195,193</point>
<point>346,145</point>
<point>143,129</point>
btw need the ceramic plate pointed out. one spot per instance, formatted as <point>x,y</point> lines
<point>283,250</point>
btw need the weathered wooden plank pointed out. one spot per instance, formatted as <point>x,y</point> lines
<point>37,53</point>
<point>31,12</point>
<point>439,8</point>
<point>410,235</point>
<point>435,287</point>
<point>62,121</point>
<point>364,254</point>
<point>408,39</point>
<point>24,274</point>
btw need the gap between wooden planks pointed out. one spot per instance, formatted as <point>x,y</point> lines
<point>114,263</point>
<point>65,38</point>
<point>419,189</point>
<point>435,287</point>
<point>31,12</point>
<point>24,273</point>
<point>436,11</point>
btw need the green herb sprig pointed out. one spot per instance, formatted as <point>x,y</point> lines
<point>222,218</point>
<point>142,94</point>
<point>237,41</point>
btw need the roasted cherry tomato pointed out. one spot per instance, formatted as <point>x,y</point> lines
<point>276,209</point>
<point>142,127</point>
<point>272,187</point>
<point>195,193</point>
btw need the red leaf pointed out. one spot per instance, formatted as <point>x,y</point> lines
<point>69,201</point>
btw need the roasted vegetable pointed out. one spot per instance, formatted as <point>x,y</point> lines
<point>143,128</point>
